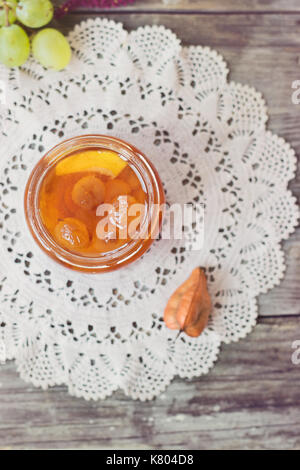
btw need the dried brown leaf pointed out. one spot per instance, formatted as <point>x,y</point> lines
<point>188,309</point>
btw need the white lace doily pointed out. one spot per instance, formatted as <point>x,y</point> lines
<point>208,140</point>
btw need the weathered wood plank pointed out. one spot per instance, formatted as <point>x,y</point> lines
<point>249,400</point>
<point>262,51</point>
<point>285,298</point>
<point>209,6</point>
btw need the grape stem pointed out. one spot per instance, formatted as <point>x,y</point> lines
<point>6,11</point>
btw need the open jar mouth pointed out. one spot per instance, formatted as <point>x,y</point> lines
<point>110,260</point>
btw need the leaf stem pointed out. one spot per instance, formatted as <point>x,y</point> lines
<point>179,333</point>
<point>6,12</point>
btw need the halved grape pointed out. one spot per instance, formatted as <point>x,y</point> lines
<point>35,13</point>
<point>12,4</point>
<point>51,49</point>
<point>14,45</point>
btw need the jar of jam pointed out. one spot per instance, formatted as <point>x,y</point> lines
<point>94,203</point>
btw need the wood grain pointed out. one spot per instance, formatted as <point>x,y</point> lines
<point>249,400</point>
<point>210,6</point>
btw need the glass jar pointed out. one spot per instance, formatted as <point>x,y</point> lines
<point>112,260</point>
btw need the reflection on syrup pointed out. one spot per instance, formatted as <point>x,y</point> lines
<point>76,188</point>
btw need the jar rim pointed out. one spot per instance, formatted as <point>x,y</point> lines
<point>106,261</point>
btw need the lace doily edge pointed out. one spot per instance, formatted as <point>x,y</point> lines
<point>116,387</point>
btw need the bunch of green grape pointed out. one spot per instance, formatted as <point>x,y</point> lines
<point>49,46</point>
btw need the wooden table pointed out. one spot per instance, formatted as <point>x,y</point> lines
<point>251,398</point>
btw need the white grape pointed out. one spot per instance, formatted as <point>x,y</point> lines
<point>14,45</point>
<point>51,49</point>
<point>34,13</point>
